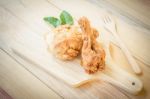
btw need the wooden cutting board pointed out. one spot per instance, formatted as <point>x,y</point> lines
<point>72,73</point>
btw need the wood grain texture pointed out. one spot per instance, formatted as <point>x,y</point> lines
<point>4,95</point>
<point>19,83</point>
<point>21,22</point>
<point>19,32</point>
<point>134,12</point>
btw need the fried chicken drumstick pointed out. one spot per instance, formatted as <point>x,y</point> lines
<point>92,54</point>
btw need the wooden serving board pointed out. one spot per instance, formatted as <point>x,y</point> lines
<point>72,73</point>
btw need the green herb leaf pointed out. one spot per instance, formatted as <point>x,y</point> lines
<point>52,20</point>
<point>66,18</point>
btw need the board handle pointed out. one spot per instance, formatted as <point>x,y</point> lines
<point>122,79</point>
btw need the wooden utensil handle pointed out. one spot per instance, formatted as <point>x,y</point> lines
<point>130,58</point>
<point>122,79</point>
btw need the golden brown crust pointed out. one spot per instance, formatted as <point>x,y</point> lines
<point>93,55</point>
<point>67,42</point>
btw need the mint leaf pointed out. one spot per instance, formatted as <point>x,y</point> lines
<point>52,20</point>
<point>66,18</point>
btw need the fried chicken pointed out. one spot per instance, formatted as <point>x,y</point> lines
<point>67,42</point>
<point>92,54</point>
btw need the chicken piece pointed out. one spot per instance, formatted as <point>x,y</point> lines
<point>67,42</point>
<point>92,54</point>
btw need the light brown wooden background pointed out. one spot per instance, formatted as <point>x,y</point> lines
<point>22,80</point>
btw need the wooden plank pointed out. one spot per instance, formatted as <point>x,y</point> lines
<point>134,11</point>
<point>21,34</point>
<point>19,83</point>
<point>31,13</point>
<point>4,95</point>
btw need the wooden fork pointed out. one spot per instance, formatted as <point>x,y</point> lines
<point>110,25</point>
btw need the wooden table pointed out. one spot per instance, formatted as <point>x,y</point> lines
<point>21,80</point>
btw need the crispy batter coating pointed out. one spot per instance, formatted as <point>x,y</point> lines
<point>92,54</point>
<point>67,42</point>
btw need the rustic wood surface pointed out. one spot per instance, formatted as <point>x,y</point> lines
<point>21,22</point>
